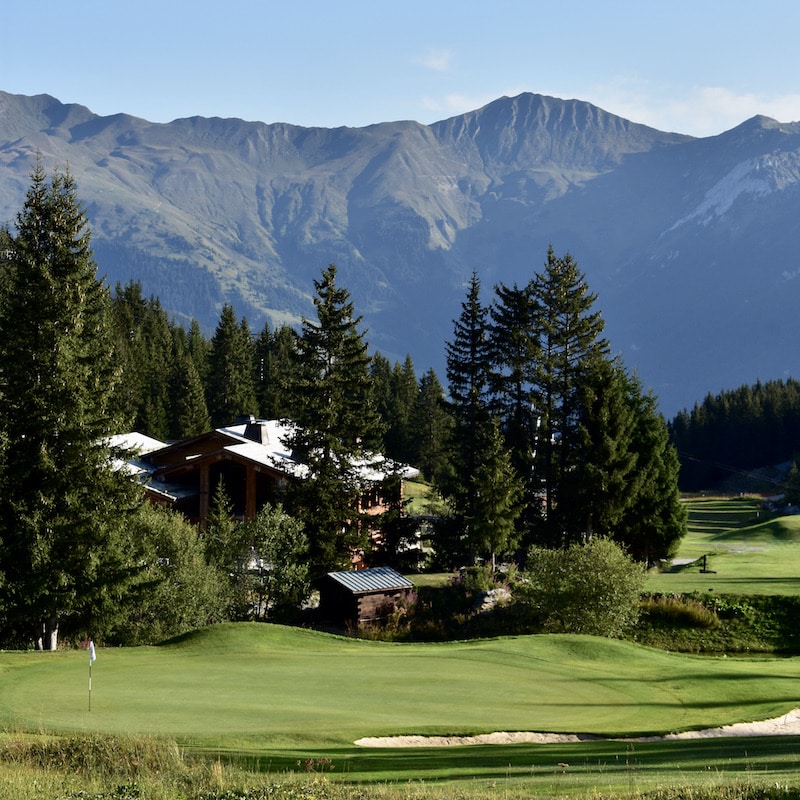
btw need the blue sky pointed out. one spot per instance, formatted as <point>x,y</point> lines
<point>696,67</point>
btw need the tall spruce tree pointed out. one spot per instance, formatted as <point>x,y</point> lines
<point>338,430</point>
<point>276,363</point>
<point>62,502</point>
<point>189,412</point>
<point>569,339</point>
<point>654,520</point>
<point>499,491</point>
<point>468,361</point>
<point>599,487</point>
<point>395,392</point>
<point>515,351</point>
<point>231,377</point>
<point>432,430</point>
<point>478,455</point>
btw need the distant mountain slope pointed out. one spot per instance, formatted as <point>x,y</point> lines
<point>692,244</point>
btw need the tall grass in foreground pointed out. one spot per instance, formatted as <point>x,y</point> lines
<point>93,767</point>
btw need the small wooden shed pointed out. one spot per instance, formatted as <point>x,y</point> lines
<point>362,597</point>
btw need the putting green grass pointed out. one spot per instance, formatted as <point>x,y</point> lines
<point>284,688</point>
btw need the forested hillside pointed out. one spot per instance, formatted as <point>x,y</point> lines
<point>542,439</point>
<point>736,432</point>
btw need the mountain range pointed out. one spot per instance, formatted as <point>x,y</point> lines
<point>691,244</point>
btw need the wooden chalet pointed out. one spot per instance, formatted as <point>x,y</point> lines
<point>250,458</point>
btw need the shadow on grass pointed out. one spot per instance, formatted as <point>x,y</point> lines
<point>764,758</point>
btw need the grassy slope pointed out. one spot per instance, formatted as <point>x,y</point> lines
<point>290,687</point>
<point>748,551</point>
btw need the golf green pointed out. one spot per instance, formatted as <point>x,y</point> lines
<point>285,686</point>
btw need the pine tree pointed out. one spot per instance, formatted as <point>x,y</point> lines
<point>569,338</point>
<point>276,363</point>
<point>189,412</point>
<point>479,456</point>
<point>154,415</point>
<point>600,486</point>
<point>145,347</point>
<point>231,377</point>
<point>404,395</point>
<point>395,392</point>
<point>515,352</point>
<point>499,491</point>
<point>432,430</point>
<point>62,502</point>
<point>468,364</point>
<point>199,348</point>
<point>655,518</point>
<point>338,430</point>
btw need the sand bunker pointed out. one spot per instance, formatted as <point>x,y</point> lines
<point>786,725</point>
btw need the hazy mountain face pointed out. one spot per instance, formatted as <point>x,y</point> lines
<point>691,244</point>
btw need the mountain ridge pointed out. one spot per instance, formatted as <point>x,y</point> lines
<point>667,227</point>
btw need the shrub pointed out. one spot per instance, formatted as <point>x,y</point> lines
<point>592,588</point>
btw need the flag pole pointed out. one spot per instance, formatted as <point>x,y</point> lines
<point>92,657</point>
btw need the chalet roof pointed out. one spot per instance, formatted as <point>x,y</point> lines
<point>375,579</point>
<point>260,442</point>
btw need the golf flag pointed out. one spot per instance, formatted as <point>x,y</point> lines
<point>92,655</point>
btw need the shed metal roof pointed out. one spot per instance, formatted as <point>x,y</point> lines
<point>375,579</point>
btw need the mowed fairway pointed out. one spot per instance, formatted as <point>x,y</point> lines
<point>747,550</point>
<point>290,688</point>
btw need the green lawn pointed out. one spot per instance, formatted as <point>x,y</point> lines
<point>748,551</point>
<point>255,689</point>
<point>270,698</point>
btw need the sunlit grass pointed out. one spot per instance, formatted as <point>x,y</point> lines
<point>285,686</point>
<point>748,551</point>
<point>265,700</point>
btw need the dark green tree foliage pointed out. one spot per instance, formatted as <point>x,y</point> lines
<point>515,351</point>
<point>570,339</point>
<point>380,375</point>
<point>625,484</point>
<point>600,485</point>
<point>793,484</point>
<point>231,376</point>
<point>736,431</point>
<point>62,503</point>
<point>154,416</point>
<point>146,347</point>
<point>499,493</point>
<point>404,389</point>
<point>483,489</point>
<point>189,413</point>
<point>6,253</point>
<point>468,361</point>
<point>395,392</point>
<point>128,311</point>
<point>397,544</point>
<point>276,367</point>
<point>199,348</point>
<point>432,430</point>
<point>338,429</point>
<point>655,522</point>
<point>177,590</point>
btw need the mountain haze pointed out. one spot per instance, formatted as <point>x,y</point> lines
<point>691,244</point>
